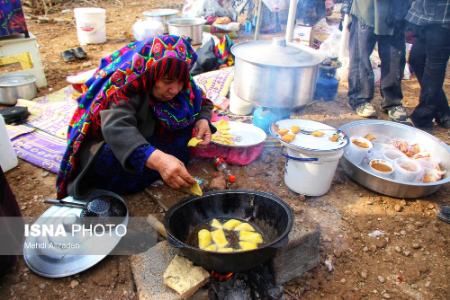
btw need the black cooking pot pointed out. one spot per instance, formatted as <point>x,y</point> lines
<point>268,212</point>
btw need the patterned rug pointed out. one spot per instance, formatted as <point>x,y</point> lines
<point>41,141</point>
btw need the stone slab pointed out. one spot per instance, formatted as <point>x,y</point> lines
<point>300,254</point>
<point>148,269</point>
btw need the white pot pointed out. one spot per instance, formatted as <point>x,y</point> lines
<point>189,27</point>
<point>311,172</point>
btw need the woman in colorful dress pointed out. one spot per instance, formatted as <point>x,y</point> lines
<point>133,123</point>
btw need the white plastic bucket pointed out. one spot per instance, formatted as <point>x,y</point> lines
<point>239,106</point>
<point>311,172</point>
<point>90,22</point>
<point>8,158</point>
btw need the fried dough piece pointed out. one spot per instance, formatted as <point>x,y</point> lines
<point>244,227</point>
<point>231,224</point>
<point>218,236</point>
<point>283,131</point>
<point>317,133</point>
<point>249,236</point>
<point>216,224</point>
<point>247,246</point>
<point>288,138</point>
<point>211,247</point>
<point>204,238</point>
<point>193,142</point>
<point>295,129</point>
<point>225,250</point>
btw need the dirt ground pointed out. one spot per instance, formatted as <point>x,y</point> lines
<point>411,261</point>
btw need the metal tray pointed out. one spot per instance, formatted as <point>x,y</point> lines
<point>391,187</point>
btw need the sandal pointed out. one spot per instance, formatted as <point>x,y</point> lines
<point>68,55</point>
<point>79,53</point>
<point>444,213</point>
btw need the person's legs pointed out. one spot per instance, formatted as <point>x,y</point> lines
<point>391,49</point>
<point>361,77</point>
<point>433,102</point>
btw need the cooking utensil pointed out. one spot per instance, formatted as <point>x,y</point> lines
<point>15,86</point>
<point>275,74</point>
<point>190,27</point>
<point>54,262</point>
<point>162,15</point>
<point>268,212</point>
<point>388,186</point>
<point>93,208</point>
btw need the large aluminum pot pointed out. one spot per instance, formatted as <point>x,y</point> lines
<point>274,74</point>
<point>190,27</point>
<point>161,15</point>
<point>15,86</point>
<point>392,130</point>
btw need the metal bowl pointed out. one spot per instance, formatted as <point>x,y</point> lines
<point>392,187</point>
<point>15,86</point>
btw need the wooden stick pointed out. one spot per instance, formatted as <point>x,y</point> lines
<point>157,225</point>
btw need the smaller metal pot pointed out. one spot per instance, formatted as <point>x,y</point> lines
<point>190,27</point>
<point>15,86</point>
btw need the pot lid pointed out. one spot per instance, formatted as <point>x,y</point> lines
<point>76,253</point>
<point>276,53</point>
<point>331,140</point>
<point>159,12</point>
<point>16,80</point>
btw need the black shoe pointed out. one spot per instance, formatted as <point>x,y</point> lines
<point>444,123</point>
<point>79,53</point>
<point>427,128</point>
<point>444,213</point>
<point>68,55</point>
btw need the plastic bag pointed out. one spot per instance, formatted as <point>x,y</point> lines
<point>144,29</point>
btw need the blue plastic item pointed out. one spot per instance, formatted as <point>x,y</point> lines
<point>263,117</point>
<point>326,84</point>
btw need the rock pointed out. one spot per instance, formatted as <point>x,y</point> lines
<point>381,243</point>
<point>369,202</point>
<point>381,279</point>
<point>398,208</point>
<point>430,206</point>
<point>74,283</point>
<point>365,249</point>
<point>363,274</point>
<point>218,183</point>
<point>427,284</point>
<point>403,203</point>
<point>45,174</point>
<point>386,296</point>
<point>42,286</point>
<point>398,249</point>
<point>343,280</point>
<point>416,246</point>
<point>403,232</point>
<point>406,252</point>
<point>337,253</point>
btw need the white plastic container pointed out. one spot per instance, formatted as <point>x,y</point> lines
<point>314,177</point>
<point>91,25</point>
<point>8,158</point>
<point>238,106</point>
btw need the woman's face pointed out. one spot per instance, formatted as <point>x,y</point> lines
<point>166,89</point>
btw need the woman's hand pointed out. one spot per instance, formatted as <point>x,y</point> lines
<point>172,170</point>
<point>203,131</point>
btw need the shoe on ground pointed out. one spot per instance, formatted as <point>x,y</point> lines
<point>397,113</point>
<point>68,55</point>
<point>444,123</point>
<point>428,128</point>
<point>444,213</point>
<point>366,110</point>
<point>79,53</point>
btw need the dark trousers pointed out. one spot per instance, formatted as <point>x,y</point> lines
<point>428,59</point>
<point>391,49</point>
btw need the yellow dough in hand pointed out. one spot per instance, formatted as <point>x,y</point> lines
<point>216,224</point>
<point>252,237</point>
<point>218,236</point>
<point>196,190</point>
<point>193,142</point>
<point>231,224</point>
<point>244,227</point>
<point>204,238</point>
<point>247,245</point>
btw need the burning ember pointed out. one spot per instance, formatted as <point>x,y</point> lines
<point>221,277</point>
